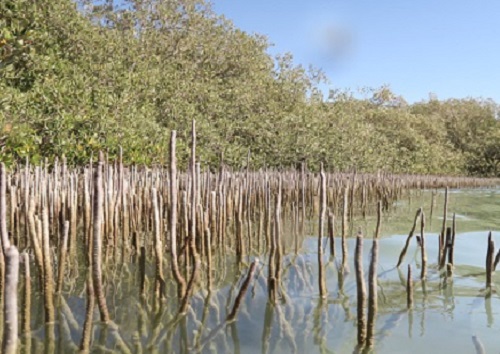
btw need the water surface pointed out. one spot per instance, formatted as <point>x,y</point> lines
<point>450,313</point>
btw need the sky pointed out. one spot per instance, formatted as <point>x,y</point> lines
<point>448,48</point>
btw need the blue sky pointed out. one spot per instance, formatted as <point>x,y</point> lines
<point>450,48</point>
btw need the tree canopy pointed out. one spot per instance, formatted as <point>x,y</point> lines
<point>78,77</point>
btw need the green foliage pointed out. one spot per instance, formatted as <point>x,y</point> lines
<point>81,77</point>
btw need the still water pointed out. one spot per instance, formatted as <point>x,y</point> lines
<point>450,314</point>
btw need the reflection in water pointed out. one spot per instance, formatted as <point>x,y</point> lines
<point>489,312</point>
<point>423,283</point>
<point>298,323</point>
<point>286,330</point>
<point>301,324</point>
<point>449,297</point>
<point>266,333</point>
<point>410,323</point>
<point>478,345</point>
<point>49,338</point>
<point>318,329</point>
<point>235,338</point>
<point>343,298</point>
<point>204,316</point>
<point>183,338</point>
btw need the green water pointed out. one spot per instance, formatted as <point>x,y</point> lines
<point>447,312</point>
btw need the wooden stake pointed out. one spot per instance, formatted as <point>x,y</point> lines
<point>409,289</point>
<point>10,324</point>
<point>159,278</point>
<point>331,222</point>
<point>361,290</point>
<point>26,306</point>
<point>344,229</point>
<point>97,241</point>
<point>372,282</point>
<point>442,245</point>
<point>410,235</point>
<point>322,283</point>
<point>89,312</point>
<point>48,276</point>
<point>181,283</point>
<point>422,247</point>
<point>3,209</point>
<point>62,257</point>
<point>489,261</point>
<point>243,290</point>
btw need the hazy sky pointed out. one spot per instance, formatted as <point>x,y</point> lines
<point>450,48</point>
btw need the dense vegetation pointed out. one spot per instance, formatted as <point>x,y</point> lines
<point>79,77</point>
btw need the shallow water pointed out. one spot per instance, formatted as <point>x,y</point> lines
<point>447,312</point>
